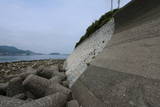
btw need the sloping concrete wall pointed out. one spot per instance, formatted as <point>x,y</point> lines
<point>127,72</point>
<point>82,56</point>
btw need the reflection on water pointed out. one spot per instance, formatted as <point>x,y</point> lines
<point>30,58</point>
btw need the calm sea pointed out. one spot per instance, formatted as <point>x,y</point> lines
<point>30,58</point>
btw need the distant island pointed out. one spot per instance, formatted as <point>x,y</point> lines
<point>54,53</point>
<point>13,51</point>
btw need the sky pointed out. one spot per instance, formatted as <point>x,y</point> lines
<point>47,26</point>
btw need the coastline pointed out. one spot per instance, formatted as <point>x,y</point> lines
<point>9,70</point>
<point>4,59</point>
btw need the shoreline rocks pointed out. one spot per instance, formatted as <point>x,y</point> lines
<point>55,100</point>
<point>3,88</point>
<point>10,102</point>
<point>36,85</point>
<point>73,103</point>
<point>10,70</point>
<point>45,86</point>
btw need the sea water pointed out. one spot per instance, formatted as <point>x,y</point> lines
<point>31,57</point>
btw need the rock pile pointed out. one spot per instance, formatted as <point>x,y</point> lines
<point>8,70</point>
<point>44,87</point>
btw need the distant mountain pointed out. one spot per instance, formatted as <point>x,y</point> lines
<point>54,53</point>
<point>12,51</point>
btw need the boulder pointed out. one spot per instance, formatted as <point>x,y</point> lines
<point>54,68</point>
<point>36,85</point>
<point>65,83</point>
<point>57,79</point>
<point>73,103</point>
<point>41,87</point>
<point>60,74</point>
<point>29,99</point>
<point>27,72</point>
<point>60,68</point>
<point>55,100</point>
<point>29,95</point>
<point>3,87</point>
<point>56,87</point>
<point>10,102</point>
<point>47,72</point>
<point>20,96</point>
<point>15,87</point>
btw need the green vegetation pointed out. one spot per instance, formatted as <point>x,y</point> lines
<point>97,24</point>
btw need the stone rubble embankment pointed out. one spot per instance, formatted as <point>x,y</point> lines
<point>9,70</point>
<point>41,87</point>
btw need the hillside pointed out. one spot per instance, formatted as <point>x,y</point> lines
<point>10,50</point>
<point>54,53</point>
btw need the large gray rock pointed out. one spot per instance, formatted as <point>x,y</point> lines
<point>55,87</point>
<point>65,83</point>
<point>29,95</point>
<point>56,79</point>
<point>60,74</point>
<point>28,71</point>
<point>29,99</point>
<point>56,100</point>
<point>3,87</point>
<point>15,87</point>
<point>60,68</point>
<point>36,85</point>
<point>54,68</point>
<point>73,103</point>
<point>10,102</point>
<point>20,96</point>
<point>41,87</point>
<point>47,72</point>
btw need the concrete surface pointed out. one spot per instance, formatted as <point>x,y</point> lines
<point>77,62</point>
<point>127,72</point>
<point>108,88</point>
<point>10,102</point>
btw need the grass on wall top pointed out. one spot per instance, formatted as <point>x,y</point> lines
<point>96,25</point>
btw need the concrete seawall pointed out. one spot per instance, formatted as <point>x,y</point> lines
<point>82,56</point>
<point>127,72</point>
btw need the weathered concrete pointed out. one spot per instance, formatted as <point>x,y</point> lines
<point>3,88</point>
<point>115,89</point>
<point>73,103</point>
<point>36,85</point>
<point>55,100</point>
<point>56,87</point>
<point>78,61</point>
<point>57,79</point>
<point>10,102</point>
<point>61,75</point>
<point>26,72</point>
<point>15,87</point>
<point>65,83</point>
<point>41,87</point>
<point>127,72</point>
<point>20,96</point>
<point>47,72</point>
<point>29,95</point>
